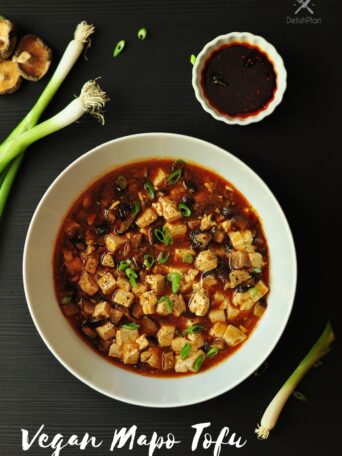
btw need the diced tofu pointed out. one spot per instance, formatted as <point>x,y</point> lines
<point>158,208</point>
<point>114,242</point>
<point>148,301</point>
<point>259,309</point>
<point>91,264</point>
<point>197,341</point>
<point>207,222</point>
<point>126,335</point>
<point>148,326</point>
<point>217,315</point>
<point>115,316</point>
<point>88,284</point>
<point>176,229</point>
<point>178,304</point>
<point>146,218</point>
<point>123,297</point>
<point>190,275</point>
<point>168,361</point>
<point>152,357</point>
<point>169,209</point>
<point>188,363</point>
<point>255,259</point>
<point>239,260</point>
<point>163,309</point>
<point>206,260</point>
<point>180,253</point>
<point>89,332</point>
<point>218,329</point>
<point>159,177</point>
<point>123,283</point>
<point>241,240</point>
<point>232,312</point>
<point>142,342</point>
<point>102,309</point>
<point>233,336</point>
<point>115,350</point>
<point>218,236</point>
<point>199,303</point>
<point>107,260</point>
<point>226,225</point>
<point>156,282</point>
<point>106,331</point>
<point>219,297</point>
<point>237,277</point>
<point>107,283</point>
<point>178,343</point>
<point>246,300</point>
<point>130,353</point>
<point>88,307</point>
<point>165,335</point>
<point>139,289</point>
<point>74,266</point>
<point>258,291</point>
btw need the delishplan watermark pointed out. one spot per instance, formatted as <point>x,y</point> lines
<point>304,13</point>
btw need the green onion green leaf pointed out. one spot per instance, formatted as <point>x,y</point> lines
<point>175,279</point>
<point>130,326</point>
<point>185,351</point>
<point>162,257</point>
<point>198,363</point>
<point>148,260</point>
<point>119,48</point>
<point>300,396</point>
<point>212,352</point>
<point>185,210</point>
<point>193,59</point>
<point>174,177</point>
<point>123,265</point>
<point>136,207</point>
<point>193,329</point>
<point>66,300</point>
<point>169,303</point>
<point>132,276</point>
<point>148,186</point>
<point>142,33</point>
<point>177,164</point>
<point>188,258</point>
<point>163,235</point>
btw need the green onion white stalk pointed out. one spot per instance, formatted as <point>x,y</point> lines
<point>271,415</point>
<point>73,51</point>
<point>91,99</point>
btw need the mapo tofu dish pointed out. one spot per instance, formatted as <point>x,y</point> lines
<point>162,267</point>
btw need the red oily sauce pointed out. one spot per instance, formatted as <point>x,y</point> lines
<point>239,80</point>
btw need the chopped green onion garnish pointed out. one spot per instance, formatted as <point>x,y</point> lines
<point>175,279</point>
<point>174,177</point>
<point>177,164</point>
<point>66,300</point>
<point>162,258</point>
<point>132,276</point>
<point>188,258</point>
<point>142,33</point>
<point>121,183</point>
<point>185,210</point>
<point>148,186</point>
<point>257,270</point>
<point>193,329</point>
<point>119,48</point>
<point>130,326</point>
<point>193,59</point>
<point>300,396</point>
<point>169,303</point>
<point>124,265</point>
<point>148,260</point>
<point>198,363</point>
<point>186,350</point>
<point>163,235</point>
<point>135,207</point>
<point>212,352</point>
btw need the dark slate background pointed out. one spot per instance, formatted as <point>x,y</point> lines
<point>295,151</point>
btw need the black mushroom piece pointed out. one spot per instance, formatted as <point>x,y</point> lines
<point>188,200</point>
<point>239,222</point>
<point>120,183</point>
<point>190,185</point>
<point>102,229</point>
<point>220,272</point>
<point>126,224</point>
<point>199,239</point>
<point>96,322</point>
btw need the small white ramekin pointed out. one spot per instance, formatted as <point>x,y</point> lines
<point>239,37</point>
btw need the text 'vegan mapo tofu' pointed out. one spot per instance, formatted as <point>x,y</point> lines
<point>162,267</point>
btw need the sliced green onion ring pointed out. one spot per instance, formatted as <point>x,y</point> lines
<point>132,276</point>
<point>188,258</point>
<point>163,257</point>
<point>300,396</point>
<point>130,326</point>
<point>177,164</point>
<point>148,260</point>
<point>123,265</point>
<point>193,59</point>
<point>163,235</point>
<point>212,352</point>
<point>136,207</point>
<point>66,300</point>
<point>185,210</point>
<point>142,33</point>
<point>148,186</point>
<point>175,279</point>
<point>185,351</point>
<point>174,177</point>
<point>198,363</point>
<point>119,48</point>
<point>193,329</point>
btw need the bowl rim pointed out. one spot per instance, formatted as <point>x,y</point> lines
<point>69,367</point>
<point>266,47</point>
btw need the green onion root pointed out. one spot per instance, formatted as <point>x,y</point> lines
<point>271,415</point>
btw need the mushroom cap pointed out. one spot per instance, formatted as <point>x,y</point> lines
<point>33,57</point>
<point>10,78</point>
<point>8,38</point>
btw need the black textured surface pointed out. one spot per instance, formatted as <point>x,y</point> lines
<point>295,151</point>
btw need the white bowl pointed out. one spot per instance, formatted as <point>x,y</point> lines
<point>74,353</point>
<point>239,37</point>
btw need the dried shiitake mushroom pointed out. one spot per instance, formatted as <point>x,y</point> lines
<point>8,38</point>
<point>33,57</point>
<point>10,78</point>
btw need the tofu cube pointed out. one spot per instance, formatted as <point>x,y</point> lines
<point>159,177</point>
<point>156,282</point>
<point>107,283</point>
<point>178,304</point>
<point>142,342</point>
<point>218,329</point>
<point>114,242</point>
<point>226,225</point>
<point>126,335</point>
<point>232,312</point>
<point>163,309</point>
<point>123,297</point>
<point>88,284</point>
<point>255,259</point>
<point>168,361</point>
<point>151,357</point>
<point>180,253</point>
<point>107,260</point>
<point>148,301</point>
<point>241,240</point>
<point>115,351</point>
<point>197,340</point>
<point>176,229</point>
<point>115,316</point>
<point>187,364</point>
<point>178,343</point>
<point>199,303</point>
<point>123,283</point>
<point>217,315</point>
<point>130,353</point>
<point>146,218</point>
<point>233,336</point>
<point>190,275</point>
<point>206,260</point>
<point>91,264</point>
<point>139,289</point>
<point>237,277</point>
<point>207,222</point>
<point>102,309</point>
<point>169,209</point>
<point>106,331</point>
<point>165,335</point>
